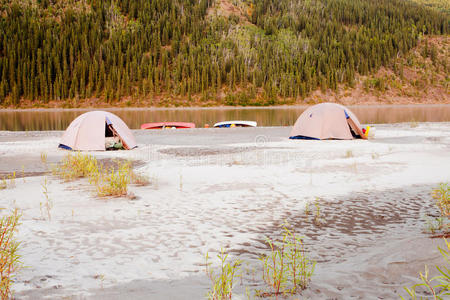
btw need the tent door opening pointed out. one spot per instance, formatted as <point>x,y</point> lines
<point>354,130</point>
<point>113,141</point>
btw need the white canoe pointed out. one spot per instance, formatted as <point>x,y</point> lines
<point>236,124</point>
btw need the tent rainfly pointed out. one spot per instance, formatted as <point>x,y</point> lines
<point>327,121</point>
<point>90,130</point>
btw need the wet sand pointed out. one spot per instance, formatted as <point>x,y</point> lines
<point>231,188</point>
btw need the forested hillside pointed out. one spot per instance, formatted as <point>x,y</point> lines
<point>202,52</point>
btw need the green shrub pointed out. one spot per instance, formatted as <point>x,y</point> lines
<point>230,99</point>
<point>9,257</point>
<point>437,287</point>
<point>222,282</point>
<point>287,268</point>
<point>442,196</point>
<point>440,225</point>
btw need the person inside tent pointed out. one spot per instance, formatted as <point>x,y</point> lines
<point>112,139</point>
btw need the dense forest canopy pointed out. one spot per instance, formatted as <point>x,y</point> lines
<point>57,50</point>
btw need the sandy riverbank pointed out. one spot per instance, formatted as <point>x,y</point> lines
<point>230,188</point>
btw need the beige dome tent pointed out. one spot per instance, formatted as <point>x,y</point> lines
<point>327,121</point>
<point>90,130</point>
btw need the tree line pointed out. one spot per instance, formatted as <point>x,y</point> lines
<point>58,50</point>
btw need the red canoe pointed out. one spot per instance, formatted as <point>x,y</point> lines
<point>163,125</point>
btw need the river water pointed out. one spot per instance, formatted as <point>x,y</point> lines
<point>59,119</point>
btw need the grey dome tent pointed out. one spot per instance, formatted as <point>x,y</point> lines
<point>327,121</point>
<point>89,130</point>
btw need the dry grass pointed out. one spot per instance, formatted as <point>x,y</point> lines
<point>3,184</point>
<point>8,181</point>
<point>77,166</point>
<point>139,179</point>
<point>115,181</point>
<point>44,158</point>
<point>108,181</point>
<point>349,154</point>
<point>442,196</point>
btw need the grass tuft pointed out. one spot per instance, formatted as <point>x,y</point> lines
<point>44,158</point>
<point>48,202</point>
<point>317,215</point>
<point>77,166</point>
<point>349,154</point>
<point>139,179</point>
<point>3,184</point>
<point>110,181</point>
<point>8,181</point>
<point>115,181</point>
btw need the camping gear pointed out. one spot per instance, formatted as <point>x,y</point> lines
<point>90,130</point>
<point>113,143</point>
<point>370,132</point>
<point>228,124</point>
<point>171,125</point>
<point>327,121</point>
